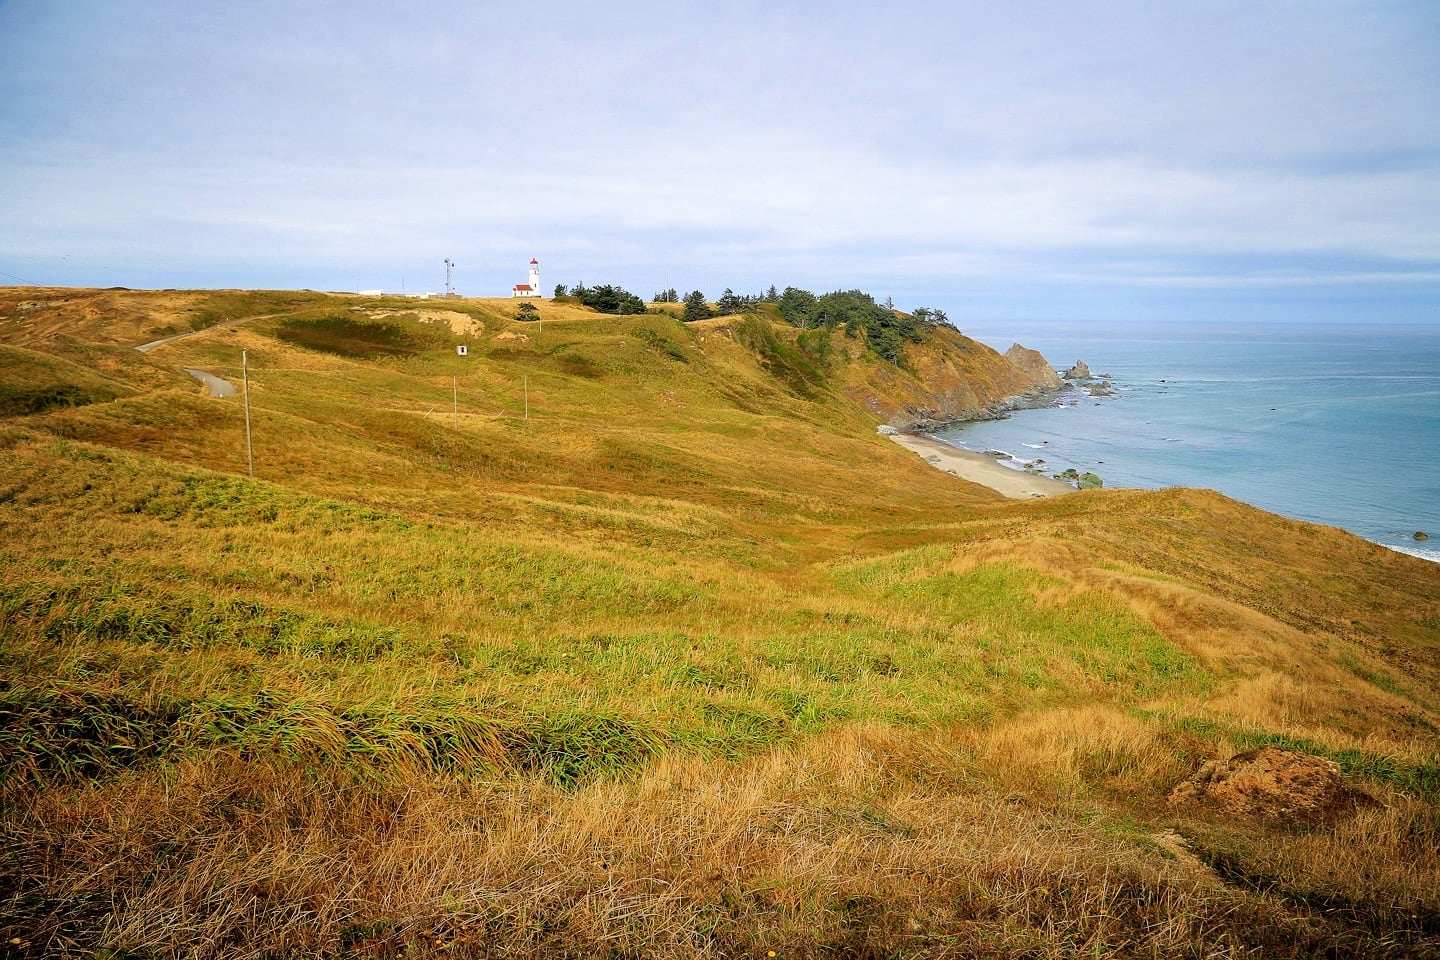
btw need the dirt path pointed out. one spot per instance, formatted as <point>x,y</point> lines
<point>217,386</point>
<point>147,347</point>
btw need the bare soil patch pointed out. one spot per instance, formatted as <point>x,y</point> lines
<point>1271,784</point>
<point>460,323</point>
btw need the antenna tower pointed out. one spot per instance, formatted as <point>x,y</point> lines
<point>449,287</point>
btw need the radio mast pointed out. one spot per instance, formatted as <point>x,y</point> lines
<point>449,287</point>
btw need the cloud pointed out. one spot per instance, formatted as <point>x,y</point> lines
<point>917,145</point>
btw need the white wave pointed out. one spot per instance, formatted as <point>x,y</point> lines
<point>1424,554</point>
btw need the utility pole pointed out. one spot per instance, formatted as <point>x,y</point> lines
<point>449,269</point>
<point>249,449</point>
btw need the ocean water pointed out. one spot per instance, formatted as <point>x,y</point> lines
<point>1336,424</point>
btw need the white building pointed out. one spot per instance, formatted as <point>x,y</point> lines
<point>531,289</point>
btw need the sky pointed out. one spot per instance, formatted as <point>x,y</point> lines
<point>1101,160</point>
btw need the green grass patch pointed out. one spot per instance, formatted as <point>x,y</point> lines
<point>221,306</point>
<point>33,382</point>
<point>1377,676</point>
<point>800,365</point>
<point>68,735</point>
<point>575,364</point>
<point>347,336</point>
<point>99,612</point>
<point>1024,639</point>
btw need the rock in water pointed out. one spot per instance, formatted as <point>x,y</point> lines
<point>1274,785</point>
<point>1421,535</point>
<point>1081,371</point>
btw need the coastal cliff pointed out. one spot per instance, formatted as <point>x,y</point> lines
<point>948,377</point>
<point>1035,365</point>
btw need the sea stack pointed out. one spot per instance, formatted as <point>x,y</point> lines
<point>1081,371</point>
<point>1421,535</point>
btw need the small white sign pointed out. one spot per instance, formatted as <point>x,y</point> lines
<point>462,350</point>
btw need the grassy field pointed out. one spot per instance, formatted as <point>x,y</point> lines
<point>622,637</point>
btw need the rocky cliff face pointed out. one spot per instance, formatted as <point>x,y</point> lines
<point>951,378</point>
<point>1034,365</point>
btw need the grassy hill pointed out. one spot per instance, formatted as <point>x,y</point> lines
<point>625,637</point>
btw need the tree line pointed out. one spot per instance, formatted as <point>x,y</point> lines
<point>885,329</point>
<point>604,298</point>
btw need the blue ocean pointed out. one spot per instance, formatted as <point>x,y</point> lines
<point>1336,424</point>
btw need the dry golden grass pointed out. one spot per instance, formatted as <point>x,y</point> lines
<point>687,663</point>
<point>862,842</point>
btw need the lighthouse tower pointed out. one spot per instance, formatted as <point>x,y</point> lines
<point>531,289</point>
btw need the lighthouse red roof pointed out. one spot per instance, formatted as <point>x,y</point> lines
<point>533,260</point>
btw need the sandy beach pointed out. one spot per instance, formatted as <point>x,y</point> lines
<point>982,469</point>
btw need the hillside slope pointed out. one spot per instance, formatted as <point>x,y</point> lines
<point>621,636</point>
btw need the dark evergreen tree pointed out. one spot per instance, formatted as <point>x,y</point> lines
<point>797,306</point>
<point>730,303</point>
<point>609,299</point>
<point>696,308</point>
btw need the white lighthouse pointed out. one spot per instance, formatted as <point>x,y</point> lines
<point>531,289</point>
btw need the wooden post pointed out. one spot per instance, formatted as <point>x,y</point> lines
<point>249,448</point>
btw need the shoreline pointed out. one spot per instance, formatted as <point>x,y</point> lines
<point>1037,399</point>
<point>982,469</point>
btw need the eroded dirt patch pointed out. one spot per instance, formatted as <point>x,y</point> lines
<point>460,323</point>
<point>1271,784</point>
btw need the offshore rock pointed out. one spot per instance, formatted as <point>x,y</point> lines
<point>1081,371</point>
<point>1421,535</point>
